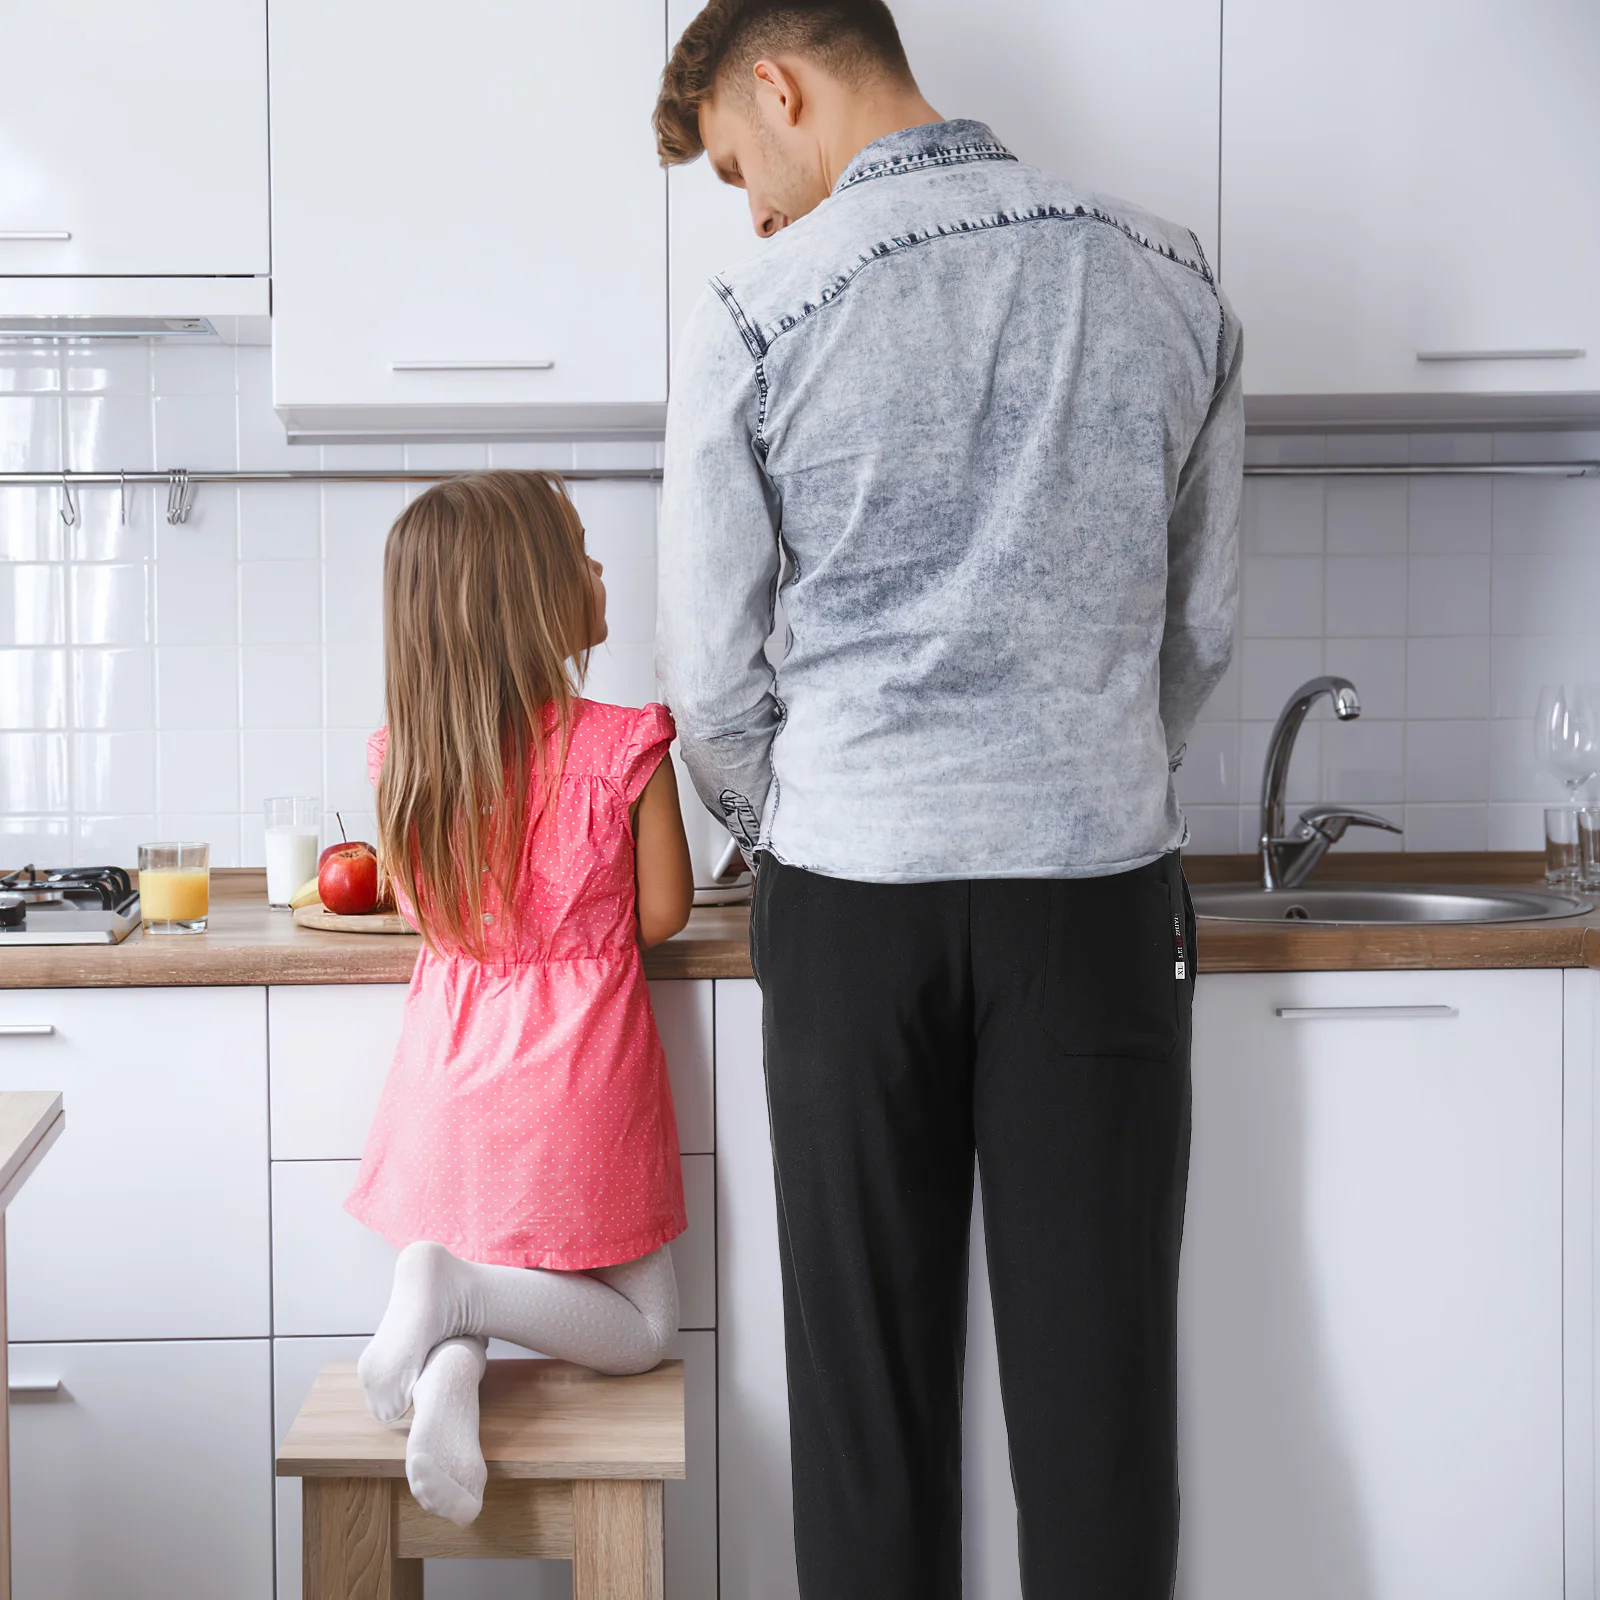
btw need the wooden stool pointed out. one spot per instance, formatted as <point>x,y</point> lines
<point>576,1462</point>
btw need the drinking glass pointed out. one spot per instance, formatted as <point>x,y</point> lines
<point>1589,846</point>
<point>1566,732</point>
<point>291,846</point>
<point>174,887</point>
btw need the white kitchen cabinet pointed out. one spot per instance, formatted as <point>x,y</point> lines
<point>1122,99</point>
<point>1371,1368</point>
<point>150,1220</point>
<point>135,139</point>
<point>331,1045</point>
<point>145,1474</point>
<point>469,223</point>
<point>331,1275</point>
<point>1402,181</point>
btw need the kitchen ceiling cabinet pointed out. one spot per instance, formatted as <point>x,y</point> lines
<point>1402,183</point>
<point>1371,1314</point>
<point>469,221</point>
<point>1122,99</point>
<point>134,139</point>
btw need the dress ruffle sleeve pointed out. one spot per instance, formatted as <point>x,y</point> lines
<point>377,746</point>
<point>653,733</point>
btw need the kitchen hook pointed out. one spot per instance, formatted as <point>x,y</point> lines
<point>69,506</point>
<point>122,495</point>
<point>180,496</point>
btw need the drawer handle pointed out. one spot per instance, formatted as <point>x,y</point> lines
<point>26,1030</point>
<point>1554,354</point>
<point>33,1386</point>
<point>1341,1013</point>
<point>470,366</point>
<point>34,236</point>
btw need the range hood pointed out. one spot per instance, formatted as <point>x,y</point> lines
<point>232,310</point>
<point>30,329</point>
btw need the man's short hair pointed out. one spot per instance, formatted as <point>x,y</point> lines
<point>854,40</point>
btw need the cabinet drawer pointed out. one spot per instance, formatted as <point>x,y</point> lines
<point>148,1219</point>
<point>691,1503</point>
<point>332,1276</point>
<point>331,1047</point>
<point>146,1475</point>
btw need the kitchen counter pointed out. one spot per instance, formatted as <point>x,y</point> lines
<point>247,943</point>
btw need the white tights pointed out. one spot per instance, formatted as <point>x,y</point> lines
<point>428,1352</point>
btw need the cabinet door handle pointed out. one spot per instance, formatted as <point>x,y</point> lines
<point>34,236</point>
<point>1554,354</point>
<point>26,1030</point>
<point>33,1386</point>
<point>471,366</point>
<point>1343,1013</point>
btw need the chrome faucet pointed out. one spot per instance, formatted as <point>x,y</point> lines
<point>1288,860</point>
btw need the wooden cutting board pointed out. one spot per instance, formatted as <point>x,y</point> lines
<point>331,922</point>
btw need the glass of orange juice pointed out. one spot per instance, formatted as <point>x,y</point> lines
<point>174,887</point>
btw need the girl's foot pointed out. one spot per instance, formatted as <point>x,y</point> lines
<point>444,1460</point>
<point>423,1310</point>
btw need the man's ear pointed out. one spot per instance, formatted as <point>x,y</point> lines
<point>777,92</point>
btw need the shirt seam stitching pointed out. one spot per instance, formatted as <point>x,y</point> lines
<point>946,156</point>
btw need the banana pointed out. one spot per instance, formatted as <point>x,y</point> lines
<point>306,895</point>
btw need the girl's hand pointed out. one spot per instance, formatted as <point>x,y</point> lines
<point>662,869</point>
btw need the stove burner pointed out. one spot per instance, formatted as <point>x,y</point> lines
<point>108,887</point>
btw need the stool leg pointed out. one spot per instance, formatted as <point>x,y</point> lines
<point>349,1542</point>
<point>616,1539</point>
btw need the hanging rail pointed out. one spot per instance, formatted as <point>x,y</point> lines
<point>181,482</point>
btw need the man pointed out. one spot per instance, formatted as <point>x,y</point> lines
<point>982,432</point>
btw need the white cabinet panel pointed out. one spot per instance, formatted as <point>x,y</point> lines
<point>147,1475</point>
<point>1371,1294</point>
<point>1122,99</point>
<point>331,1275</point>
<point>508,220</point>
<point>140,131</point>
<point>149,1220</point>
<point>691,1503</point>
<point>331,1047</point>
<point>1382,167</point>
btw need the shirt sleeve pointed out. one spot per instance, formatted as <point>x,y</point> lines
<point>647,745</point>
<point>377,748</point>
<point>1203,550</point>
<point>718,571</point>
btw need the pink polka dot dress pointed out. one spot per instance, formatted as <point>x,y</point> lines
<point>527,1120</point>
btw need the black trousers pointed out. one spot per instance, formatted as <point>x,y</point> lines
<point>1042,1025</point>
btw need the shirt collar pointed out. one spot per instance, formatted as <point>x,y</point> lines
<point>934,144</point>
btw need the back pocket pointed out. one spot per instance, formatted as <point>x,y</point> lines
<point>1118,969</point>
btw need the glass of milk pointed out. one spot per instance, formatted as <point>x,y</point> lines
<point>291,841</point>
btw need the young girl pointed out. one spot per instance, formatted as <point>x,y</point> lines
<point>525,1153</point>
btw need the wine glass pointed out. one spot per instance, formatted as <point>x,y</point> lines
<point>1567,733</point>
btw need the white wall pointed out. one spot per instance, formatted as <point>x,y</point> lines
<point>160,682</point>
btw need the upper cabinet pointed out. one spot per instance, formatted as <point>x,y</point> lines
<point>1408,220</point>
<point>469,222</point>
<point>1122,99</point>
<point>133,139</point>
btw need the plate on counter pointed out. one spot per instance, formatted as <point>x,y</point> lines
<point>326,921</point>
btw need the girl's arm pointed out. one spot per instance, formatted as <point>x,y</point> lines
<point>662,868</point>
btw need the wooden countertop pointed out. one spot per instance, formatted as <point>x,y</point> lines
<point>247,943</point>
<point>31,1121</point>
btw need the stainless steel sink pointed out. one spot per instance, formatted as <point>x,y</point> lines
<point>1335,904</point>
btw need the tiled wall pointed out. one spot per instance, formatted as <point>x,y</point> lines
<point>1447,601</point>
<point>161,682</point>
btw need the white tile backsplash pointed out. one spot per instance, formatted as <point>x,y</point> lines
<point>162,680</point>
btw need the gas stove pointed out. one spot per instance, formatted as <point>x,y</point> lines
<point>67,905</point>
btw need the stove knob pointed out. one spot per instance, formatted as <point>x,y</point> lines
<point>13,911</point>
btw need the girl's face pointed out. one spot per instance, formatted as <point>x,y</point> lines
<point>597,610</point>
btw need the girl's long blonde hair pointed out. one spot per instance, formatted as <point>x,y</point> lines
<point>487,614</point>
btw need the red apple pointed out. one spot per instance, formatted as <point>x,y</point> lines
<point>343,844</point>
<point>347,880</point>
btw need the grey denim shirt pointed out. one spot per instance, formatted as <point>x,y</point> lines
<point>981,433</point>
